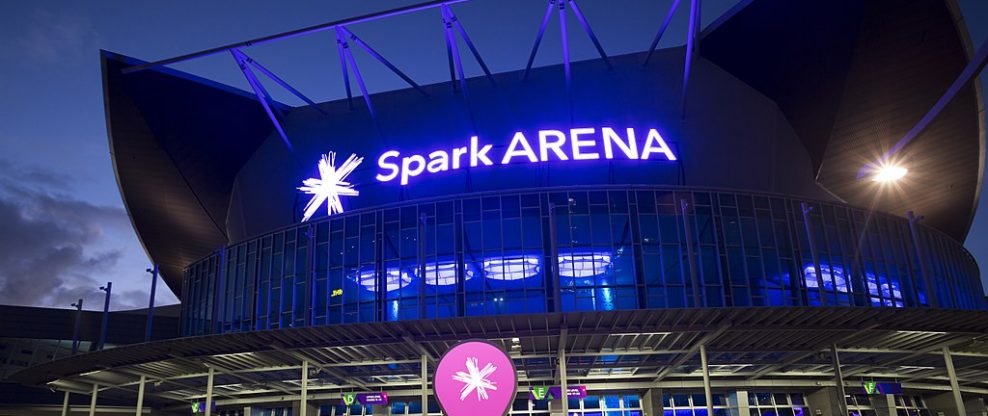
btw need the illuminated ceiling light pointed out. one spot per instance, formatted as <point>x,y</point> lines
<point>511,268</point>
<point>444,274</point>
<point>889,173</point>
<point>395,279</point>
<point>583,264</point>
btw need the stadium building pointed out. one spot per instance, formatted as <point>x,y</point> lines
<point>767,220</point>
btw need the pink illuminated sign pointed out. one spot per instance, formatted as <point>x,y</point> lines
<point>475,378</point>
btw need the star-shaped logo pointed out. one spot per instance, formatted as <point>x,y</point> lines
<point>330,185</point>
<point>475,379</point>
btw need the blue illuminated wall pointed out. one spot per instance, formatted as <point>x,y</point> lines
<point>574,249</point>
<point>733,137</point>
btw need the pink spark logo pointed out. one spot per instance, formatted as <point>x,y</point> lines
<point>475,378</point>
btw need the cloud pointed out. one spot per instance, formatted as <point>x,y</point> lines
<point>52,245</point>
<point>55,36</point>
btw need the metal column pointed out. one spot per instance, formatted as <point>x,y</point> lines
<point>209,392</point>
<point>75,329</point>
<point>106,315</point>
<point>305,388</point>
<point>140,396</point>
<point>706,379</point>
<point>806,209</point>
<point>688,231</point>
<point>563,382</point>
<point>154,286</point>
<point>931,293</point>
<point>65,404</point>
<point>839,380</point>
<point>955,388</point>
<point>92,400</point>
<point>425,385</point>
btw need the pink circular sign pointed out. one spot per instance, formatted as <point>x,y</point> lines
<point>475,378</point>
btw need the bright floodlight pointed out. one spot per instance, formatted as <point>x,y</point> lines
<point>889,173</point>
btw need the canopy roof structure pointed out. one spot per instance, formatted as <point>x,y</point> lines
<point>617,350</point>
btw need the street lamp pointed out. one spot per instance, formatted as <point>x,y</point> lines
<point>154,284</point>
<point>106,315</point>
<point>75,331</point>
<point>887,173</point>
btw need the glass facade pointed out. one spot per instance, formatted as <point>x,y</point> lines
<point>578,249</point>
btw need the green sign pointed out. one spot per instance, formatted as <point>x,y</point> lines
<point>539,392</point>
<point>349,398</point>
<point>871,387</point>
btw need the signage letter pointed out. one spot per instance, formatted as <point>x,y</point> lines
<point>526,149</point>
<point>545,145</point>
<point>577,143</point>
<point>438,161</point>
<point>480,156</point>
<point>384,164</point>
<point>629,148</point>
<point>655,144</point>
<point>408,171</point>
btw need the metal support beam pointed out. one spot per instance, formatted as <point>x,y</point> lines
<point>323,368</point>
<point>380,58</point>
<point>418,347</point>
<point>593,37</point>
<point>538,39</point>
<point>294,33</point>
<point>341,40</point>
<point>563,380</point>
<point>425,385</point>
<point>800,356</point>
<point>692,48</point>
<point>149,326</point>
<point>75,329</point>
<point>92,400</point>
<point>955,388</point>
<point>209,392</point>
<point>279,81</point>
<point>662,30</point>
<point>261,95</point>
<point>931,293</point>
<point>65,404</point>
<point>966,76</point>
<point>466,39</point>
<point>691,254</point>
<point>564,36</point>
<point>305,389</point>
<point>106,316</point>
<point>839,380</point>
<point>140,395</point>
<point>706,379</point>
<point>814,254</point>
<point>709,337</point>
<point>454,53</point>
<point>935,348</point>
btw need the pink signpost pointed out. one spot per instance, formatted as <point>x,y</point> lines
<point>475,378</point>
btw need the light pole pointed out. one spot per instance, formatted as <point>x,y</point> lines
<point>75,330</point>
<point>154,284</point>
<point>106,315</point>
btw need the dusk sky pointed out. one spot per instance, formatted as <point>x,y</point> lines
<point>63,228</point>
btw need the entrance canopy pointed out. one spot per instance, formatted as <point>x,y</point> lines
<point>621,350</point>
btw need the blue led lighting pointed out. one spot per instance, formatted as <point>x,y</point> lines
<point>584,264</point>
<point>444,274</point>
<point>511,267</point>
<point>544,146</point>
<point>395,279</point>
<point>887,289</point>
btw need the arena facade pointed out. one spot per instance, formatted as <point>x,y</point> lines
<point>699,230</point>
